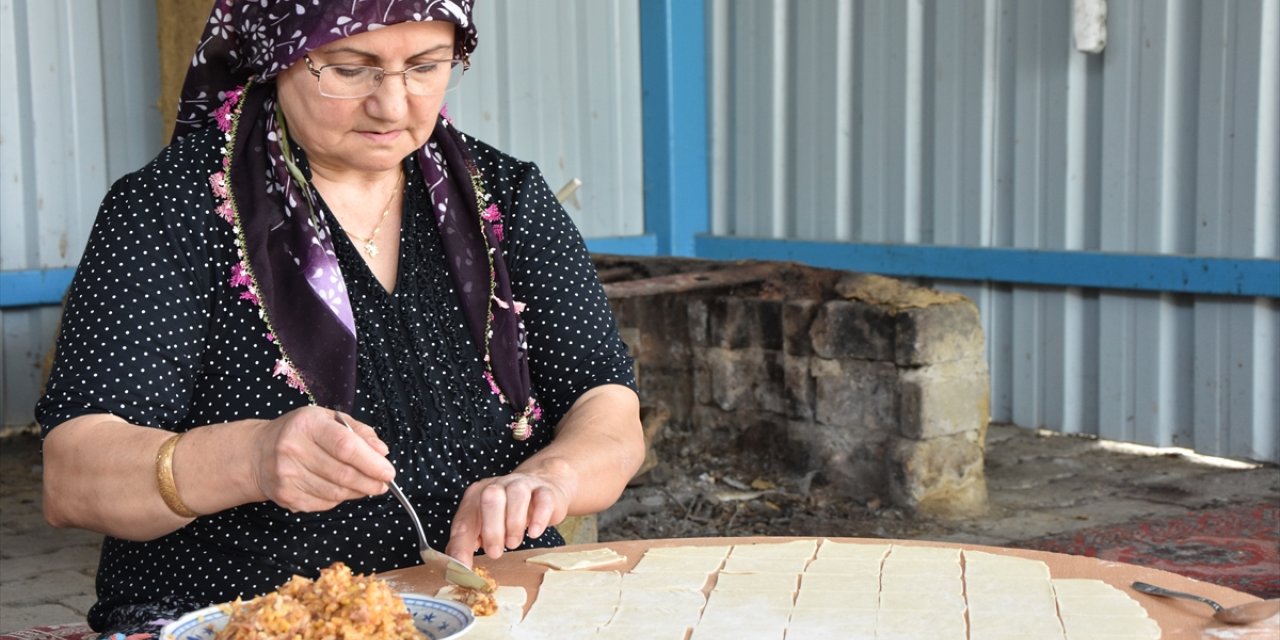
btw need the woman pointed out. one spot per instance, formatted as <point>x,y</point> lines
<point>319,239</point>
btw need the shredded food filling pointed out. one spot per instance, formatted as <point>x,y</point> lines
<point>482,603</point>
<point>336,605</point>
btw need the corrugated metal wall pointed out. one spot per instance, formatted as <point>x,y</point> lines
<point>78,92</point>
<point>977,123</point>
<point>558,84</point>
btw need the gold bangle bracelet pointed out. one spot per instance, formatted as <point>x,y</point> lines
<point>164,479</point>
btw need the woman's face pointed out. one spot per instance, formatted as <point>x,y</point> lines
<point>372,133</point>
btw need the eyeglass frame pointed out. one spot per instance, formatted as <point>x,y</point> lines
<point>383,73</point>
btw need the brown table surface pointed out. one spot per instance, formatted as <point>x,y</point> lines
<point>1177,618</point>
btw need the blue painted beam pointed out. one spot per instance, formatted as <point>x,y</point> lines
<point>645,245</point>
<point>1252,277</point>
<point>34,287</point>
<point>673,75</point>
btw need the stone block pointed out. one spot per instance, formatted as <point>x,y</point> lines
<point>798,387</point>
<point>941,477</point>
<point>696,314</point>
<point>743,322</point>
<point>742,379</point>
<point>938,333</point>
<point>944,399</point>
<point>855,392</point>
<point>729,322</point>
<point>766,329</point>
<point>797,317</point>
<point>853,329</point>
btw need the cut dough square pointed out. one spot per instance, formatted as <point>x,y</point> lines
<point>787,582</point>
<point>833,549</point>
<point>736,632</point>
<point>687,581</point>
<point>828,600</point>
<point>923,623</point>
<point>902,553</point>
<point>794,549</point>
<point>866,565</point>
<point>648,630</point>
<point>750,602</point>
<point>654,600</point>
<point>925,587</point>
<point>907,601</point>
<point>673,615</point>
<point>843,617</point>
<point>829,630</point>
<point>746,564</point>
<point>839,582</point>
<point>579,560</point>
<point>581,580</point>
<point>677,564</point>
<point>1091,627</point>
<point>923,570</point>
<point>710,551</point>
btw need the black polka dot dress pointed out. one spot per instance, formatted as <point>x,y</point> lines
<point>154,333</point>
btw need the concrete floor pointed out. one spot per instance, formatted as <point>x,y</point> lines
<point>1040,484</point>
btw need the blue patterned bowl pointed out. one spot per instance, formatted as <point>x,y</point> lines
<point>437,619</point>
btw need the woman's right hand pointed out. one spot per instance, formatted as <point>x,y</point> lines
<point>308,461</point>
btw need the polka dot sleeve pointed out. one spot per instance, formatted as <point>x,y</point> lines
<point>573,337</point>
<point>136,317</point>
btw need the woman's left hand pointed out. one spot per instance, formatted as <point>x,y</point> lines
<point>599,439</point>
<point>496,512</point>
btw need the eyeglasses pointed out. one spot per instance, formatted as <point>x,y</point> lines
<point>357,81</point>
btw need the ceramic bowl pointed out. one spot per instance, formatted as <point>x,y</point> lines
<point>437,619</point>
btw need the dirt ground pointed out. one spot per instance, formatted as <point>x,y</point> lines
<point>1040,484</point>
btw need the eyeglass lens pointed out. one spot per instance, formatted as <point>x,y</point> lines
<point>357,81</point>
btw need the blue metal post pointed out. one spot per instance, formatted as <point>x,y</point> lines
<point>673,69</point>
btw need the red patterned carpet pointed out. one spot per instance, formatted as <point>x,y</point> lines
<point>1236,546</point>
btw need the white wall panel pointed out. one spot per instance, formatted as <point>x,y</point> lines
<point>976,123</point>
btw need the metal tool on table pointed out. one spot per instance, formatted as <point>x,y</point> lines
<point>454,571</point>
<point>1240,614</point>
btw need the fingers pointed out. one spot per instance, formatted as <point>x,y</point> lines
<point>495,514</point>
<point>311,462</point>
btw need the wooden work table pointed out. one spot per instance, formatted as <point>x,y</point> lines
<point>1177,618</point>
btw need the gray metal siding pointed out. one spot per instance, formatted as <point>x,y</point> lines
<point>977,123</point>
<point>558,83</point>
<point>78,91</point>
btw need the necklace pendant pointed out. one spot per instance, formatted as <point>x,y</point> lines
<point>371,248</point>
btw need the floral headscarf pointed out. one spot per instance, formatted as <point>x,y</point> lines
<point>288,267</point>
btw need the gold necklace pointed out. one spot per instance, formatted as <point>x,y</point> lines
<point>367,243</point>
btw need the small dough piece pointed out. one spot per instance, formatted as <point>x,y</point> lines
<point>579,560</point>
